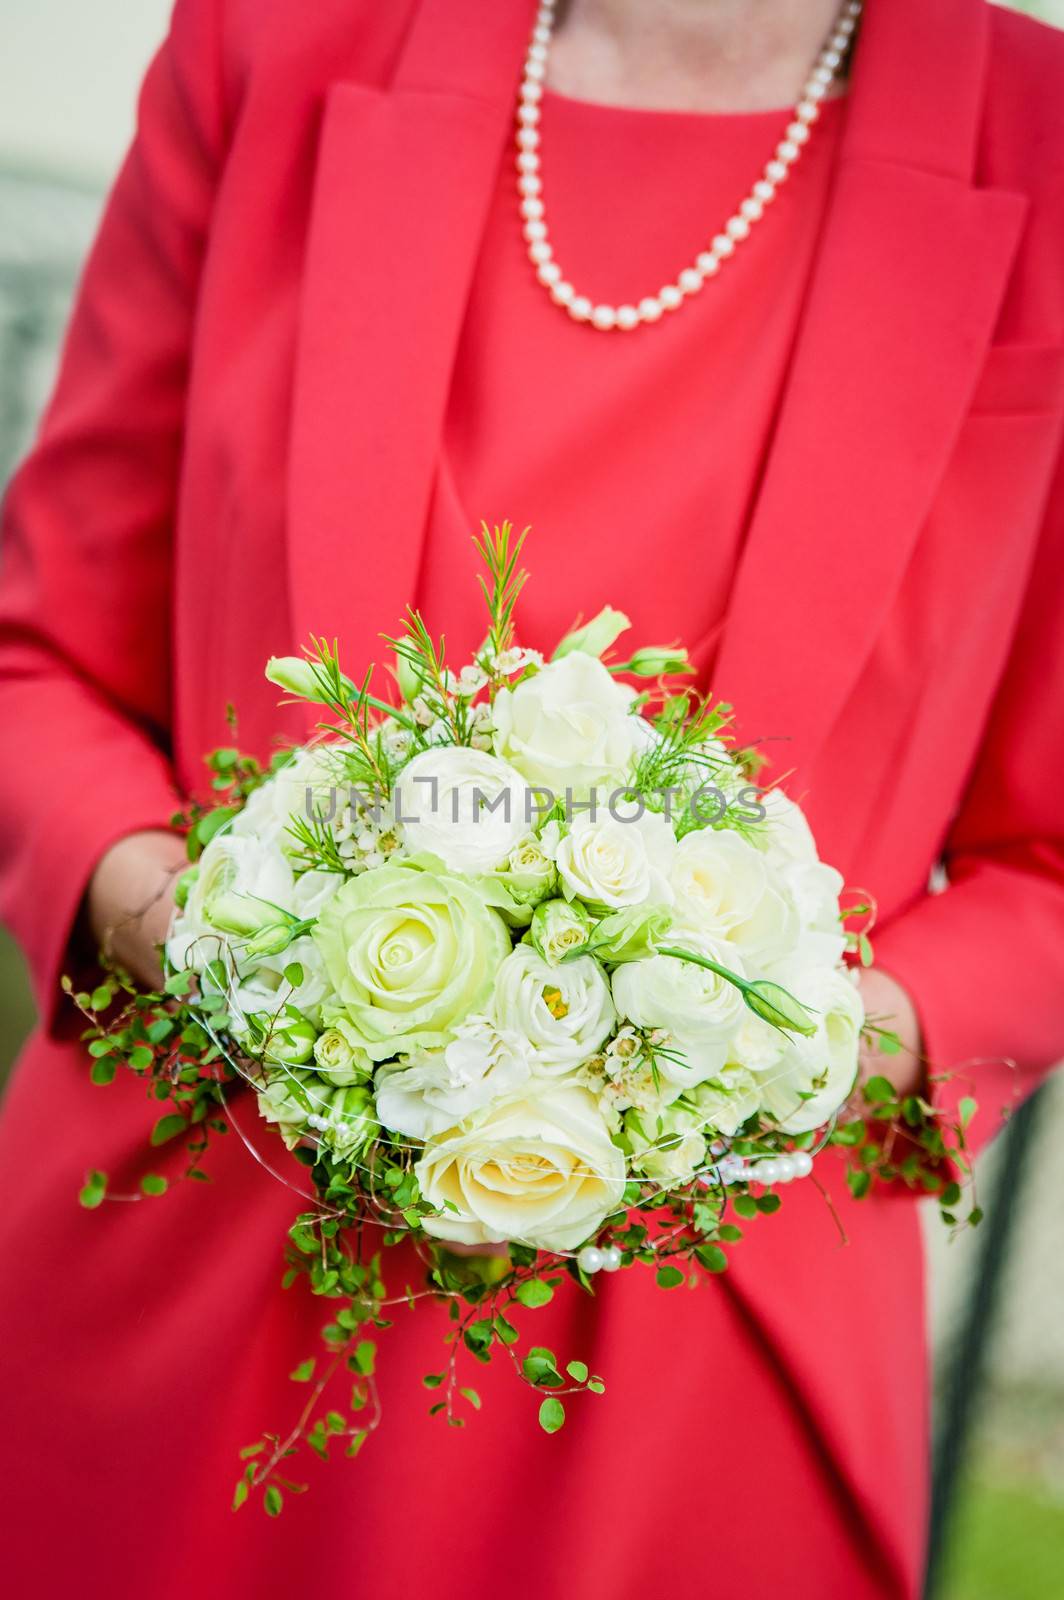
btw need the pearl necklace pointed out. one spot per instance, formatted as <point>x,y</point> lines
<point>737,228</point>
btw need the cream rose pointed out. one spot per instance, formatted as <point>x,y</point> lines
<point>540,1169</point>
<point>617,861</point>
<point>564,1012</point>
<point>568,726</point>
<point>466,807</point>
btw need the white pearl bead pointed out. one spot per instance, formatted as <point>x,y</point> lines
<point>611,1259</point>
<point>831,59</point>
<point>787,151</point>
<point>690,280</point>
<point>670,297</point>
<point>581,308</point>
<point>627,317</point>
<point>541,33</point>
<point>737,228</point>
<point>590,1259</point>
<point>707,263</point>
<point>563,293</point>
<point>764,190</point>
<point>784,1169</point>
<point>537,52</point>
<point>604,317</point>
<point>822,75</point>
<point>535,71</point>
<point>752,209</point>
<point>797,132</point>
<point>530,183</point>
<point>766,1172</point>
<point>535,230</point>
<point>529,115</point>
<point>776,171</point>
<point>532,208</point>
<point>527,138</point>
<point>807,111</point>
<point>540,251</point>
<point>527,161</point>
<point>802,1162</point>
<point>531,91</point>
<point>650,309</point>
<point>548,272</point>
<point>813,91</point>
<point>723,245</point>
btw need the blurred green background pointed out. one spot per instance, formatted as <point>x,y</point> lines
<point>68,77</point>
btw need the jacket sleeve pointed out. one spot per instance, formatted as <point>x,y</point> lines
<point>85,559</point>
<point>984,960</point>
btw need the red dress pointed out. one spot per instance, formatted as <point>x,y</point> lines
<point>263,426</point>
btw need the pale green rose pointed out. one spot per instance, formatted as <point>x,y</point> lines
<point>348,1122</point>
<point>410,953</point>
<point>339,1055</point>
<point>668,1147</point>
<point>291,1041</point>
<point>596,636</point>
<point>560,928</point>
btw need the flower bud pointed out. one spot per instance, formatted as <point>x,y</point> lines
<point>339,1055</point>
<point>291,1042</point>
<point>778,1006</point>
<point>656,661</point>
<point>350,1121</point>
<point>596,636</point>
<point>630,934</point>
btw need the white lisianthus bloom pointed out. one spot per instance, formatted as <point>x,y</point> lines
<point>617,860</point>
<point>568,727</point>
<point>700,1009</point>
<point>726,888</point>
<point>539,1169</point>
<point>822,1067</point>
<point>436,1089</point>
<point>564,1012</point>
<point>465,806</point>
<point>786,832</point>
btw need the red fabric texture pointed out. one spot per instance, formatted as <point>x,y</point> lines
<point>244,445</point>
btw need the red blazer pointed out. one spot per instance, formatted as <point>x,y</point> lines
<point>250,404</point>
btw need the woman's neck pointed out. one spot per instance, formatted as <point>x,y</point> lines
<point>687,55</point>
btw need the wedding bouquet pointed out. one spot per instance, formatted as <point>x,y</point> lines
<point>524,958</point>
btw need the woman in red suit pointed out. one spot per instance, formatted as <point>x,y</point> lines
<point>309,354</point>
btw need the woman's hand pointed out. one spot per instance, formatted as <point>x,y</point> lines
<point>888,1004</point>
<point>131,900</point>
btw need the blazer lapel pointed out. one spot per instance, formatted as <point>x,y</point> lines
<point>404,178</point>
<point>908,283</point>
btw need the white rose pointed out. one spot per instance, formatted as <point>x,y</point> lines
<point>436,1089</point>
<point>466,807</point>
<point>540,1169</point>
<point>785,831</point>
<point>564,1012</point>
<point>617,861</point>
<point>727,889</point>
<point>566,727</point>
<point>701,1010</point>
<point>822,1067</point>
<point>268,810</point>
